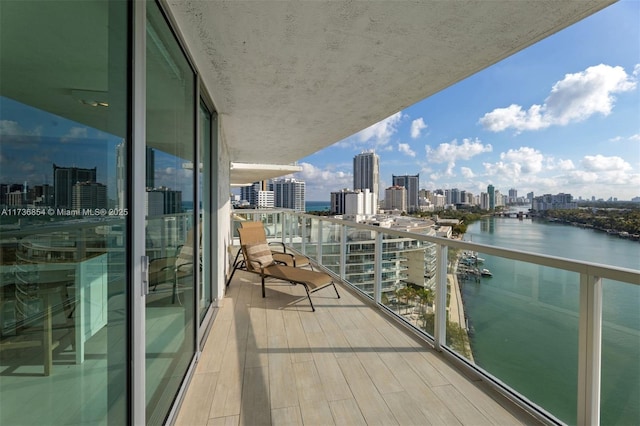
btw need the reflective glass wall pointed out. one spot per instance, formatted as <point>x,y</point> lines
<point>64,217</point>
<point>173,227</point>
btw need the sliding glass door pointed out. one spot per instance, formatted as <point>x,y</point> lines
<point>64,212</point>
<point>173,231</point>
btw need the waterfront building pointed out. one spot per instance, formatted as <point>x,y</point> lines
<point>484,201</point>
<point>554,202</point>
<point>491,191</point>
<point>218,95</point>
<point>412,185</point>
<point>366,173</point>
<point>405,261</point>
<point>289,193</point>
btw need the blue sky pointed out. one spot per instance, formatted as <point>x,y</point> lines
<point>560,116</point>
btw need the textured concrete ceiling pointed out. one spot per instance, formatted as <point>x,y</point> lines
<point>289,78</point>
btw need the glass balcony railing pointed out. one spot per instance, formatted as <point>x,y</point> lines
<point>582,351</point>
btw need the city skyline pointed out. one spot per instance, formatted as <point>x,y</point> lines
<point>558,117</point>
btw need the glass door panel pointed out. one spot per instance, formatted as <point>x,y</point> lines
<point>204,188</point>
<point>64,225</point>
<point>171,228</point>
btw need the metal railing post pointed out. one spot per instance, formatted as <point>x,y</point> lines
<point>377,261</point>
<point>303,235</point>
<point>343,251</point>
<point>589,350</point>
<point>440,327</point>
<point>319,243</point>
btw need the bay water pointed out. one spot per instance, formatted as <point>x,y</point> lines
<point>524,319</point>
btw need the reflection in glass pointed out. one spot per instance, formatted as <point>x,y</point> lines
<point>171,229</point>
<point>204,195</point>
<point>63,215</point>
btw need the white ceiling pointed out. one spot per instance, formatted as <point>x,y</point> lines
<point>290,78</point>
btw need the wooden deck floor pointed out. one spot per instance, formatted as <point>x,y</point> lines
<point>274,362</point>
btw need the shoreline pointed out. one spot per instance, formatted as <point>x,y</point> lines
<point>456,308</point>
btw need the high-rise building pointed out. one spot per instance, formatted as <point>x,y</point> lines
<point>89,195</point>
<point>513,196</point>
<point>492,197</point>
<point>338,201</point>
<point>258,195</point>
<point>162,201</point>
<point>64,178</point>
<point>412,185</point>
<point>366,173</point>
<point>455,196</point>
<point>484,201</point>
<point>395,198</point>
<point>289,193</point>
<point>360,205</point>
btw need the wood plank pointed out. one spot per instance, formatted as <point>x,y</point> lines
<point>405,410</point>
<point>460,406</point>
<point>282,380</point>
<point>372,405</point>
<point>256,409</point>
<point>418,390</point>
<point>296,337</point>
<point>333,382</point>
<point>224,421</point>
<point>347,412</point>
<point>195,408</point>
<point>287,416</point>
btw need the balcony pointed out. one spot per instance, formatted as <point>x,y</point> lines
<point>273,361</point>
<point>378,356</point>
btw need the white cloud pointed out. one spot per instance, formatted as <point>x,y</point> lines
<point>575,98</point>
<point>376,135</point>
<point>74,133</point>
<point>417,126</point>
<point>600,163</point>
<point>467,172</point>
<point>564,165</point>
<point>528,160</point>
<point>516,165</point>
<point>319,183</point>
<point>406,149</point>
<point>13,128</point>
<point>451,152</point>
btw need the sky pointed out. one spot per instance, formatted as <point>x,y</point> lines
<point>560,116</point>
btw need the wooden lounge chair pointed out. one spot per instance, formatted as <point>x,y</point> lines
<point>259,259</point>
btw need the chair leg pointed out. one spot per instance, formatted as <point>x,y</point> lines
<point>235,266</point>
<point>313,309</point>
<point>263,292</point>
<point>336,289</point>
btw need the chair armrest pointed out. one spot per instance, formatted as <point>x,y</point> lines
<point>284,248</point>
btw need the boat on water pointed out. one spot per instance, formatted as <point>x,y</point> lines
<point>486,273</point>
